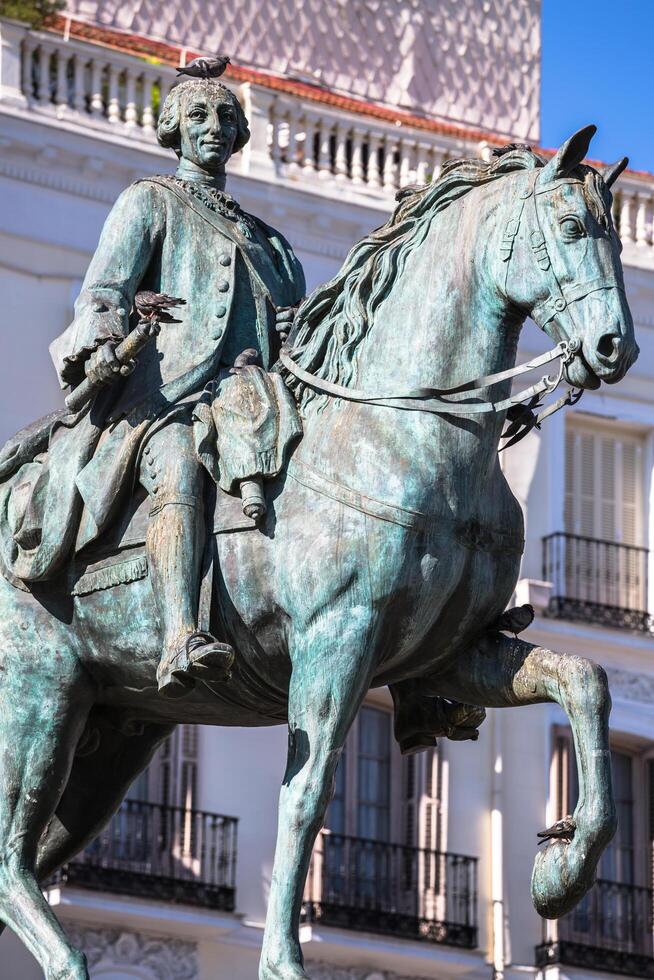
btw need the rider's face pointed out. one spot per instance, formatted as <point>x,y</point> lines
<point>208,129</point>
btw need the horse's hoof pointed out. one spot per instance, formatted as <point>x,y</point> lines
<point>561,877</point>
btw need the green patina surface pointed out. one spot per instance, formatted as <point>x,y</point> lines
<point>391,544</point>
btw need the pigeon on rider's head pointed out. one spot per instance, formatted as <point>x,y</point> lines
<point>205,67</point>
<point>561,830</point>
<point>154,306</point>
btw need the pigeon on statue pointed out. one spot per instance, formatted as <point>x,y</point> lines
<point>561,830</point>
<point>154,306</point>
<point>205,67</point>
<point>514,620</point>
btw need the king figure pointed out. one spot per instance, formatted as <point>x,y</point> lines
<point>184,236</point>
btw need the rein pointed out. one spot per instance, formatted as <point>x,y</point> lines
<point>432,400</point>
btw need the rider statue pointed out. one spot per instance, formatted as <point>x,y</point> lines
<point>184,236</point>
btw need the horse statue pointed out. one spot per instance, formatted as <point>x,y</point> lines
<point>390,547</point>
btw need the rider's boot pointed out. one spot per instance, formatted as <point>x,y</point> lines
<point>174,549</point>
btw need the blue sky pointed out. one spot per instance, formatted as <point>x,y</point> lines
<point>598,67</point>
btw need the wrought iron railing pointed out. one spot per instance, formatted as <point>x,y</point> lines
<point>597,581</point>
<point>356,883</point>
<point>161,852</point>
<point>610,930</point>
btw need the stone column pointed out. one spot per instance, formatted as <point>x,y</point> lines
<point>258,105</point>
<point>12,35</point>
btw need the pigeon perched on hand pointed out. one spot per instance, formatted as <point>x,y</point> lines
<point>205,67</point>
<point>561,830</point>
<point>154,306</point>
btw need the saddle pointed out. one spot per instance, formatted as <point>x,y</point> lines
<point>119,556</point>
<point>244,426</point>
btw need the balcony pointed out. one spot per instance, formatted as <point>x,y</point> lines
<point>611,931</point>
<point>301,134</point>
<point>597,581</point>
<point>407,892</point>
<point>159,852</point>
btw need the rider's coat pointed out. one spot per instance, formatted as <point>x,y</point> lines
<point>232,275</point>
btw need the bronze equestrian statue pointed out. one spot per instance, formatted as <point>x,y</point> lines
<point>390,543</point>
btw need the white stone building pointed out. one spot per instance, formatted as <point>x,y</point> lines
<point>348,101</point>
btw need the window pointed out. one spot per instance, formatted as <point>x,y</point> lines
<point>619,860</point>
<point>617,912</point>
<point>172,776</point>
<point>374,775</point>
<point>604,484</point>
<point>600,562</point>
<point>361,806</point>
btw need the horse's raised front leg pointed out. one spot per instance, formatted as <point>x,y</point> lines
<point>332,665</point>
<point>503,672</point>
<point>46,697</point>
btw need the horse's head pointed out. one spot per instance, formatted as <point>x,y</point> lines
<point>561,262</point>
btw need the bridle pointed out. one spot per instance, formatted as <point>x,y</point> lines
<point>521,405</point>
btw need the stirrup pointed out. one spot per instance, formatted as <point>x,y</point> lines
<point>209,655</point>
<point>202,657</point>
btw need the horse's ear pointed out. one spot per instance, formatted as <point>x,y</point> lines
<point>611,173</point>
<point>570,154</point>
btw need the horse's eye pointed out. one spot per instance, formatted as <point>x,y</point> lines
<point>572,228</point>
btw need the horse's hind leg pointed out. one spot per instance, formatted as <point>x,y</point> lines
<point>96,787</point>
<point>503,672</point>
<point>46,699</point>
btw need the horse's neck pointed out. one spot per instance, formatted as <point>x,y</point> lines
<point>443,322</point>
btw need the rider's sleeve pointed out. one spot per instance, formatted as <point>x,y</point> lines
<point>129,239</point>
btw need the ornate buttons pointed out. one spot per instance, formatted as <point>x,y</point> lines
<point>223,286</point>
<point>559,304</point>
<point>221,310</point>
<point>225,259</point>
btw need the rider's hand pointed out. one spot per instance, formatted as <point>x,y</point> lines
<point>103,366</point>
<point>284,320</point>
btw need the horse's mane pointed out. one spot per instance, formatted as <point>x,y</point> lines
<point>332,322</point>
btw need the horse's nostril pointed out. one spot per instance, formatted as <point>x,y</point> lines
<point>609,345</point>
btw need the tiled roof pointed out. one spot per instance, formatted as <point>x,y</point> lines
<point>471,62</point>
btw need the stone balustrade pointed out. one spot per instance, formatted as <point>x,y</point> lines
<point>309,139</point>
<point>90,83</point>
<point>114,92</point>
<point>331,151</point>
<point>633,210</point>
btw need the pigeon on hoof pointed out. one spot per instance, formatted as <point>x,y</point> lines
<point>154,306</point>
<point>205,67</point>
<point>561,830</point>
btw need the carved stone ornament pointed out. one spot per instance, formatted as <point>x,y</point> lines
<point>325,971</point>
<point>154,956</point>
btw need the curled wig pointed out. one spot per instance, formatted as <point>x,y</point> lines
<point>168,125</point>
